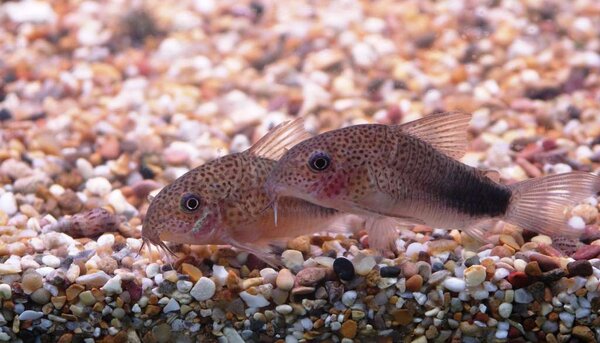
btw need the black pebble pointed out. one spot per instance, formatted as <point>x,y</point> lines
<point>343,268</point>
<point>471,261</point>
<point>5,114</point>
<point>392,271</point>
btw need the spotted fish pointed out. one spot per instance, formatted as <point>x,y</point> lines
<point>411,174</point>
<point>224,202</point>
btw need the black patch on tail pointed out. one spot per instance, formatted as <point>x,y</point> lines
<point>476,195</point>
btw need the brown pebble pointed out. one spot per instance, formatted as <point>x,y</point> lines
<point>349,328</point>
<point>584,333</point>
<point>58,301</point>
<point>73,291</point>
<point>414,283</point>
<point>301,244</point>
<point>533,269</point>
<point>546,263</point>
<point>403,316</point>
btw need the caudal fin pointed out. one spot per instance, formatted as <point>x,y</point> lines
<point>540,204</point>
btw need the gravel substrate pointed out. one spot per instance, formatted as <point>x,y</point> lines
<point>103,103</point>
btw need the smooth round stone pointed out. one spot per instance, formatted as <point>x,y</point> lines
<point>31,282</point>
<point>349,298</point>
<point>30,315</point>
<point>41,296</point>
<point>522,296</point>
<point>475,275</point>
<point>285,280</point>
<point>284,309</point>
<point>5,291</point>
<point>204,289</point>
<point>577,223</point>
<point>51,261</point>
<point>292,259</point>
<point>454,284</point>
<point>505,309</point>
<point>8,203</point>
<point>389,271</point>
<point>344,269</point>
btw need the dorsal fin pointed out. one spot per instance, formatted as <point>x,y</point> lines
<point>281,138</point>
<point>445,131</point>
<point>493,175</point>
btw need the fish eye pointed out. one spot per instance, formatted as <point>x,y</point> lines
<point>319,161</point>
<point>190,202</point>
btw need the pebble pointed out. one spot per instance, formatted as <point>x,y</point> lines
<point>5,291</point>
<point>162,333</point>
<point>204,289</point>
<point>113,286</point>
<point>344,269</point>
<point>310,276</point>
<point>389,271</point>
<point>284,309</point>
<point>414,283</point>
<point>172,306</point>
<point>41,296</point>
<point>522,296</point>
<point>292,259</point>
<point>254,300</point>
<point>30,315</point>
<point>349,297</point>
<point>31,282</point>
<point>99,186</point>
<point>505,310</point>
<point>587,252</point>
<point>577,223</point>
<point>51,261</point>
<point>580,268</point>
<point>454,284</point>
<point>285,280</point>
<point>363,264</point>
<point>97,279</point>
<point>475,275</point>
<point>349,329</point>
<point>8,203</point>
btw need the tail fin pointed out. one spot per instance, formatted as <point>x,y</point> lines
<point>539,204</point>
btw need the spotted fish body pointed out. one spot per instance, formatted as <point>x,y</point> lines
<point>224,202</point>
<point>411,173</point>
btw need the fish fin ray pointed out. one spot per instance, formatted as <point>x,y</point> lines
<point>382,233</point>
<point>480,230</point>
<point>539,204</point>
<point>446,131</point>
<point>493,175</point>
<point>281,138</point>
<point>262,251</point>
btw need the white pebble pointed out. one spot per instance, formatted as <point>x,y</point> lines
<point>577,223</point>
<point>51,261</point>
<point>254,300</point>
<point>98,186</point>
<point>31,315</point>
<point>113,286</point>
<point>5,291</point>
<point>414,249</point>
<point>204,289</point>
<point>454,284</point>
<point>220,274</point>
<point>284,309</point>
<point>8,203</point>
<point>152,269</point>
<point>505,309</point>
<point>349,298</point>
<point>106,239</point>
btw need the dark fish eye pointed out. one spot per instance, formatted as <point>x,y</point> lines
<point>319,161</point>
<point>190,202</point>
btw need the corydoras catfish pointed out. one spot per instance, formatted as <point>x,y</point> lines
<point>224,202</point>
<point>410,172</point>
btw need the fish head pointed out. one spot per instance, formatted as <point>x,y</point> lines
<point>313,170</point>
<point>185,211</point>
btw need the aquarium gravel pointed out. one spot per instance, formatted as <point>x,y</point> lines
<point>103,103</point>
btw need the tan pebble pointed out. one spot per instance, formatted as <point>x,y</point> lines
<point>349,329</point>
<point>73,291</point>
<point>542,239</point>
<point>301,243</point>
<point>285,280</point>
<point>194,273</point>
<point>171,275</point>
<point>31,282</point>
<point>252,282</point>
<point>475,275</point>
<point>58,301</point>
<point>510,241</point>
